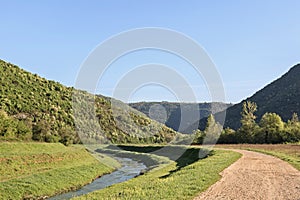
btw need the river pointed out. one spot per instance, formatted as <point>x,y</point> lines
<point>129,170</point>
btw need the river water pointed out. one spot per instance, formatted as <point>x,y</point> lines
<point>129,170</point>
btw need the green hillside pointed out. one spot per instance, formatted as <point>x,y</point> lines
<point>34,170</point>
<point>174,115</point>
<point>33,108</point>
<point>282,96</point>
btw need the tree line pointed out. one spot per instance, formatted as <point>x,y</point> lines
<point>271,129</point>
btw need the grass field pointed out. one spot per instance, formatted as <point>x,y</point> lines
<point>184,178</point>
<point>32,170</point>
<point>287,152</point>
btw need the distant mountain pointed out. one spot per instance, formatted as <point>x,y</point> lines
<point>282,96</point>
<point>46,109</point>
<point>179,116</point>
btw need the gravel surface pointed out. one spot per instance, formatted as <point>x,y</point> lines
<point>256,176</point>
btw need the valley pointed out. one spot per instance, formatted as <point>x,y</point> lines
<point>43,156</point>
<point>149,100</point>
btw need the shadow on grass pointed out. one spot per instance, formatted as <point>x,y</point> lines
<point>189,157</point>
<point>183,156</point>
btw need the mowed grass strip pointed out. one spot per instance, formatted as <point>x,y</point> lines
<point>32,170</point>
<point>185,183</point>
<point>287,152</point>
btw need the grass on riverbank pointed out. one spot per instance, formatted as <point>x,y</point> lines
<point>32,170</point>
<point>287,152</point>
<point>149,160</point>
<point>172,181</point>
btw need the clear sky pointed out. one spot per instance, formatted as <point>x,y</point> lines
<point>250,42</point>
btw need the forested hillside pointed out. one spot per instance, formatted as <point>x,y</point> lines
<point>175,111</point>
<point>282,97</point>
<point>33,108</point>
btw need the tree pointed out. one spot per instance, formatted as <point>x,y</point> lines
<point>198,137</point>
<point>40,131</point>
<point>24,131</point>
<point>228,136</point>
<point>271,127</point>
<point>68,136</point>
<point>249,127</point>
<point>8,126</point>
<point>212,131</point>
<point>295,118</point>
<point>12,128</point>
<point>3,122</point>
<point>292,130</point>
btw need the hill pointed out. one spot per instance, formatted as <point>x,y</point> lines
<point>179,116</point>
<point>282,96</point>
<point>32,107</point>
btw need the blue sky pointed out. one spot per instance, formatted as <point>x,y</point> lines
<point>250,42</point>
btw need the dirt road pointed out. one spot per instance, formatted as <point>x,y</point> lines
<point>256,176</point>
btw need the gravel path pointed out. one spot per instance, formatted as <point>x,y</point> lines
<point>256,176</point>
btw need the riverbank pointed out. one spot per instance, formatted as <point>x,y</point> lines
<point>130,165</point>
<point>38,170</point>
<point>152,161</point>
<point>129,169</point>
<point>183,178</point>
<point>35,170</point>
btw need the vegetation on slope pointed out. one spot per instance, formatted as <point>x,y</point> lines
<point>171,113</point>
<point>32,170</point>
<point>280,97</point>
<point>45,110</point>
